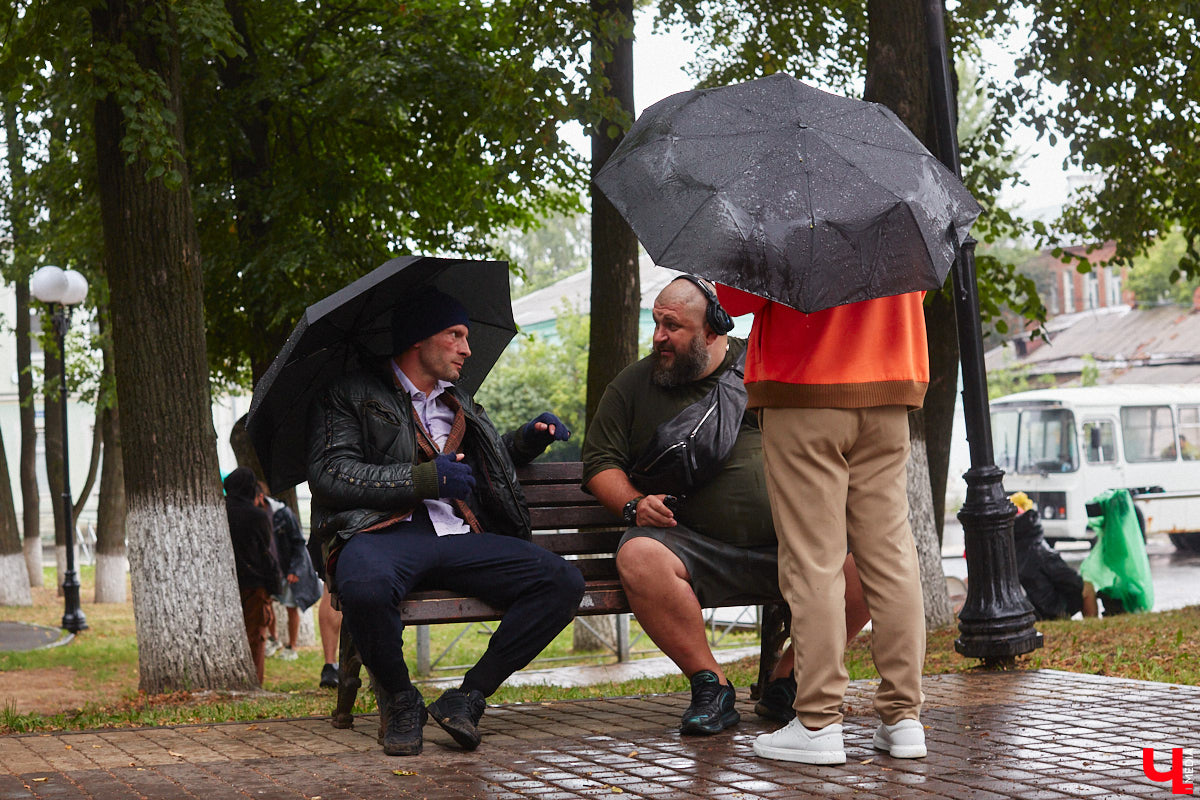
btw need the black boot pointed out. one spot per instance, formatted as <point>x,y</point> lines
<point>459,712</point>
<point>401,717</point>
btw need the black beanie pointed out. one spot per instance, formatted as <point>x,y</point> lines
<point>422,315</point>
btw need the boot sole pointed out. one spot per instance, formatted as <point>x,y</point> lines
<point>468,740</point>
<point>800,756</point>
<point>774,714</point>
<point>728,719</point>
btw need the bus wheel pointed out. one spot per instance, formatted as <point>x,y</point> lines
<point>1141,522</point>
<point>1186,542</point>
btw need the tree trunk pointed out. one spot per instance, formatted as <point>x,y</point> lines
<point>14,573</point>
<point>18,216</point>
<point>111,560</point>
<point>938,611</point>
<point>185,596</point>
<point>942,326</point>
<point>93,470</point>
<point>898,77</point>
<point>52,440</point>
<point>616,284</point>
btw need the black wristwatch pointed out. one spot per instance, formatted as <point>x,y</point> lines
<point>630,511</point>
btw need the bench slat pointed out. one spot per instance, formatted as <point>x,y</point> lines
<point>579,542</point>
<point>601,597</point>
<point>575,517</point>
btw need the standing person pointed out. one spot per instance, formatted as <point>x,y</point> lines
<point>716,546</point>
<point>257,569</point>
<point>300,587</point>
<point>412,485</point>
<point>329,621</point>
<point>834,389</point>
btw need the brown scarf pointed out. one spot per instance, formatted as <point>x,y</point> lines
<point>458,429</point>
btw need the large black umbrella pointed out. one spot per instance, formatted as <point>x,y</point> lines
<point>351,328</point>
<point>788,192</point>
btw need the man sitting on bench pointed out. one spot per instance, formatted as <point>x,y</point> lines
<point>401,464</point>
<point>716,545</point>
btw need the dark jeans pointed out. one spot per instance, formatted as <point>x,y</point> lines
<point>375,571</point>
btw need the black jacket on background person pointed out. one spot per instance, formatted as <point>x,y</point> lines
<point>1053,587</point>
<point>362,450</point>
<point>250,530</point>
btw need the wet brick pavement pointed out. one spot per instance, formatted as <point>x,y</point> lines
<point>1030,735</point>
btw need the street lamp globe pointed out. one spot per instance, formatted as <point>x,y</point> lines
<point>49,284</point>
<point>77,289</point>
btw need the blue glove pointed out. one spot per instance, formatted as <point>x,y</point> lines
<point>455,480</point>
<point>540,440</point>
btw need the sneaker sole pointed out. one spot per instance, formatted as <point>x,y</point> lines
<point>899,750</point>
<point>800,756</point>
<point>728,719</point>
<point>468,740</point>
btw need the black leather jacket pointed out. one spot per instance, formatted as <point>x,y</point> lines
<point>361,451</point>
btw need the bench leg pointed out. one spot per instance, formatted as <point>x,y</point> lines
<point>349,682</point>
<point>776,628</point>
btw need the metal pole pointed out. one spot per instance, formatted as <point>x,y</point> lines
<point>73,619</point>
<point>996,622</point>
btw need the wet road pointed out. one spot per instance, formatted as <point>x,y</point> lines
<point>1176,575</point>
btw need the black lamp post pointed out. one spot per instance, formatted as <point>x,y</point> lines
<point>62,290</point>
<point>996,622</point>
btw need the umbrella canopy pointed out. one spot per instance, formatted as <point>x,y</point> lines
<point>349,330</point>
<point>808,198</point>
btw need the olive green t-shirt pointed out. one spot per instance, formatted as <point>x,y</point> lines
<point>733,507</point>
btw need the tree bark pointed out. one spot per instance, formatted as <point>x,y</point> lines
<point>93,470</point>
<point>52,441</point>
<point>112,562</point>
<point>19,229</point>
<point>616,287</point>
<point>616,282</point>
<point>898,77</point>
<point>14,573</point>
<point>185,596</point>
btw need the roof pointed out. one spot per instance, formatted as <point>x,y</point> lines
<point>1160,344</point>
<point>576,290</point>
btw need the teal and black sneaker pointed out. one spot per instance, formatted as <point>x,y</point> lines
<point>712,708</point>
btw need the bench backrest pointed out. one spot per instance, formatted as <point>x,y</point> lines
<point>565,520</point>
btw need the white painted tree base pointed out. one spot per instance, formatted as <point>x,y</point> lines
<point>33,561</point>
<point>111,570</point>
<point>14,581</point>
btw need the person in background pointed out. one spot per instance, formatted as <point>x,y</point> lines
<point>300,586</point>
<point>257,569</point>
<point>329,621</point>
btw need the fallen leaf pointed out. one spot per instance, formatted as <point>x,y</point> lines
<point>868,761</point>
<point>39,780</point>
<point>69,747</point>
<point>403,772</point>
<point>95,747</point>
<point>632,753</point>
<point>173,753</point>
<point>617,790</point>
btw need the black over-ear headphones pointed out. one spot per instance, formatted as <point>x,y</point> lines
<point>716,316</point>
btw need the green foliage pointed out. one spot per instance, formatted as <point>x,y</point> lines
<point>539,374</point>
<point>554,248</point>
<point>1157,277</point>
<point>1118,81</point>
<point>1090,374</point>
<point>1010,380</point>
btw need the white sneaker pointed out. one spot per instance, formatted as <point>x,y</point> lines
<point>272,647</point>
<point>794,742</point>
<point>905,739</point>
<point>286,654</point>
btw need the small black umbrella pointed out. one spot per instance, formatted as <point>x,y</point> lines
<point>351,328</point>
<point>788,192</point>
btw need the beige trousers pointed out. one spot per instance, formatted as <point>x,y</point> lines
<point>836,479</point>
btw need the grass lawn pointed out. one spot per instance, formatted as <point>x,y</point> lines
<point>98,670</point>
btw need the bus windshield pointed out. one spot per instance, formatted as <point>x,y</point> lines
<point>1034,440</point>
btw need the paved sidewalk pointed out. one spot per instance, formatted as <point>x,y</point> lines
<point>1030,735</point>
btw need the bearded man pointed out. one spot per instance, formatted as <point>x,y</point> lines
<point>714,546</point>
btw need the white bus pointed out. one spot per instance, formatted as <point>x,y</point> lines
<point>1062,447</point>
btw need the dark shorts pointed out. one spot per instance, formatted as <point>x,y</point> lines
<point>721,574</point>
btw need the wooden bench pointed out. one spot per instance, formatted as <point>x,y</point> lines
<point>565,520</point>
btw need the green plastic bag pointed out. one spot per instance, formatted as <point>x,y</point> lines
<point>1118,566</point>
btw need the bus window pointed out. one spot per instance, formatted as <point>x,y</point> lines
<point>1148,433</point>
<point>1189,432</point>
<point>1046,441</point>
<point>1004,439</point>
<point>1099,441</point>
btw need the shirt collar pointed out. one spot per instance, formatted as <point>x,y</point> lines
<point>413,391</point>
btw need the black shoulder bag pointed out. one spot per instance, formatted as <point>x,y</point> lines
<point>690,449</point>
